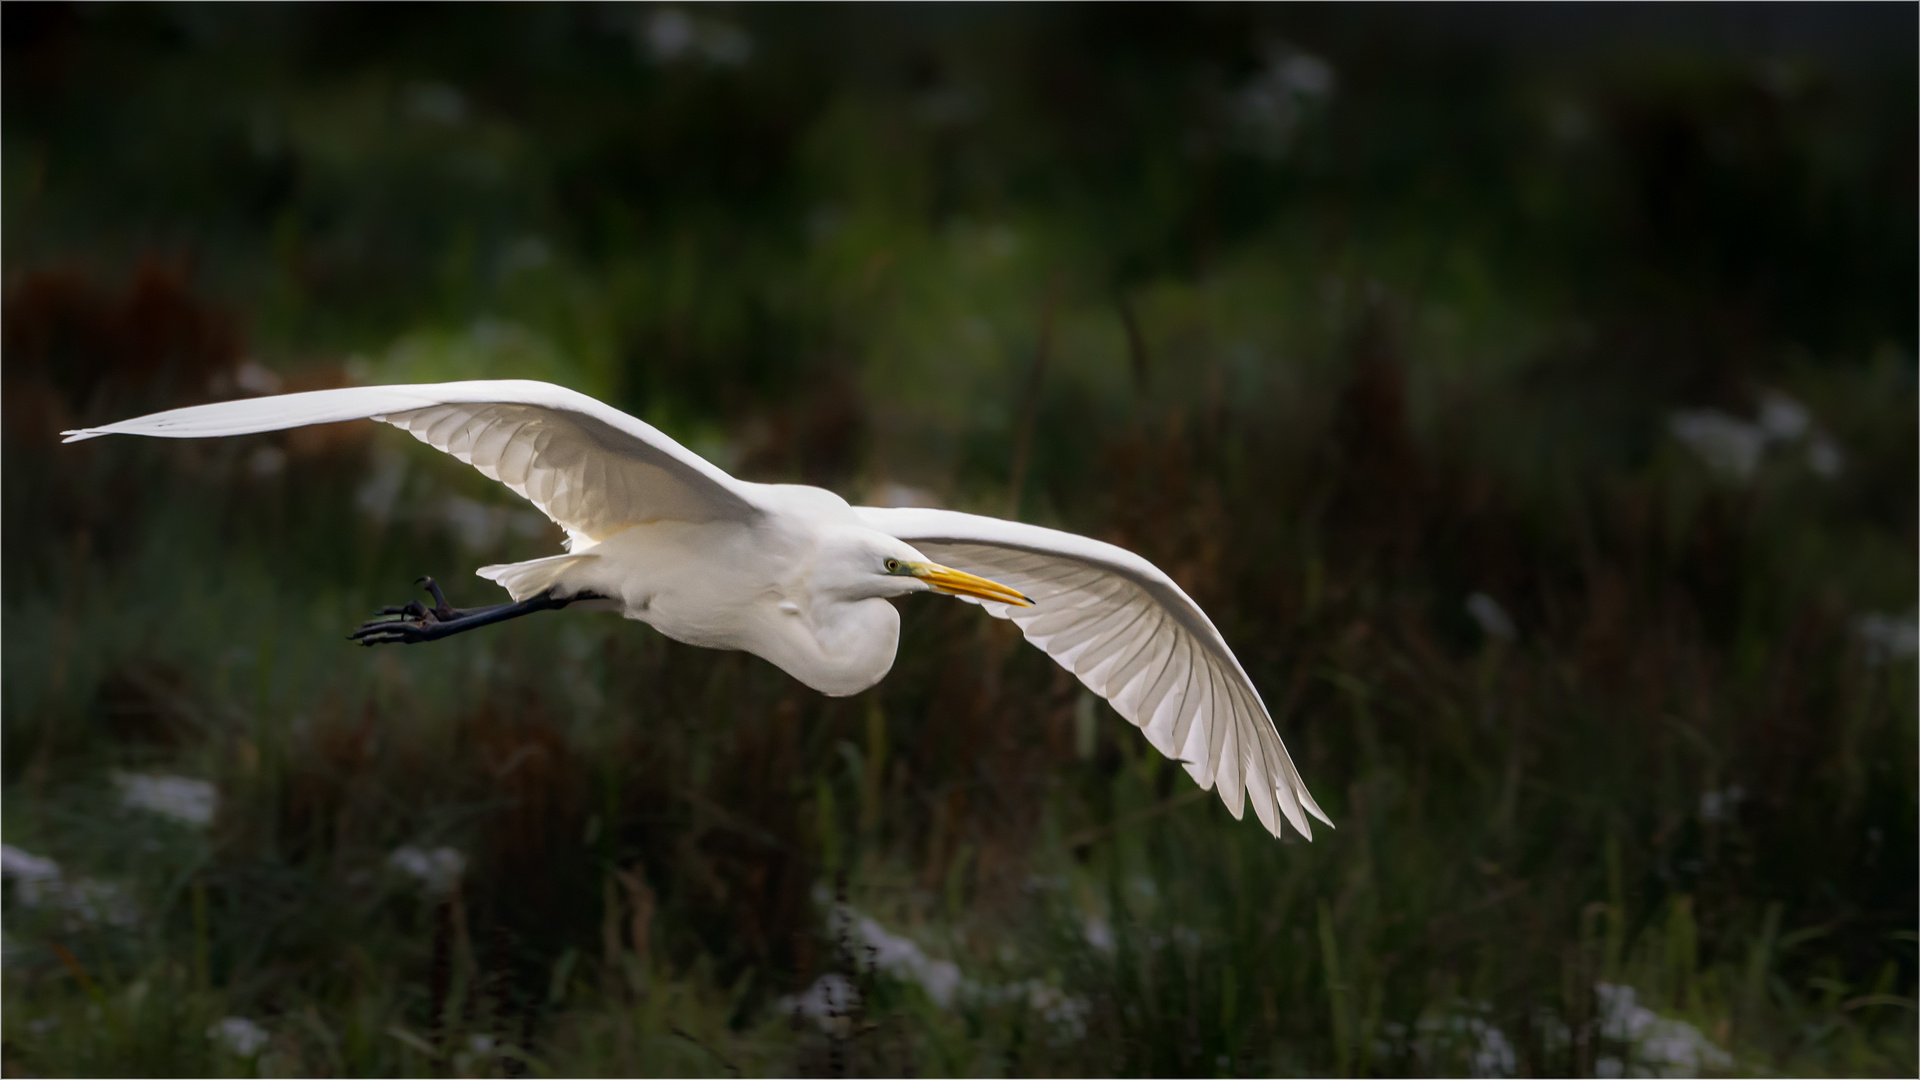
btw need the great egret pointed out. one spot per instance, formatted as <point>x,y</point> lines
<point>795,575</point>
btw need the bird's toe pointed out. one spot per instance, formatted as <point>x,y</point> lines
<point>398,631</point>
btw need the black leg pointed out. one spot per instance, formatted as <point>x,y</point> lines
<point>415,622</point>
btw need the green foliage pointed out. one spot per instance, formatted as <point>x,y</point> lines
<point>1338,346</point>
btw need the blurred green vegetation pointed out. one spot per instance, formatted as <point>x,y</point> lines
<point>1342,316</point>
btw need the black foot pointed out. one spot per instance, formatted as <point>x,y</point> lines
<point>413,623</point>
<point>416,622</point>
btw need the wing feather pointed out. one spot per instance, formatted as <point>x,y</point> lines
<point>516,459</point>
<point>491,444</point>
<point>1192,708</point>
<point>1230,771</point>
<point>591,468</point>
<point>1260,783</point>
<point>443,425</point>
<point>1129,661</point>
<point>1112,638</point>
<point>1220,745</point>
<point>1133,637</point>
<point>1152,660</point>
<point>1166,697</point>
<point>1097,625</point>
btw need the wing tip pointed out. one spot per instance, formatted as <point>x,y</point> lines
<point>1306,801</point>
<point>1307,804</point>
<point>81,435</point>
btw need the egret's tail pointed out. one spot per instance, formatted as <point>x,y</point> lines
<point>527,579</point>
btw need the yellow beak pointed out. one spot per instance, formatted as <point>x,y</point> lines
<point>953,582</point>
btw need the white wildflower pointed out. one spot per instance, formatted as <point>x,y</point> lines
<point>1493,619</point>
<point>93,900</point>
<point>1098,934</point>
<point>1659,1046</point>
<point>1728,445</point>
<point>1734,447</point>
<point>1066,1013</point>
<point>40,883</point>
<point>437,871</point>
<point>191,802</point>
<point>1785,420</point>
<point>1493,1054</point>
<point>1781,418</point>
<point>828,1002</point>
<point>1718,805</point>
<point>668,34</point>
<point>29,871</point>
<point>905,960</point>
<point>238,1035</point>
<point>471,1060</point>
<point>1270,106</point>
<point>1464,1031</point>
<point>832,996</point>
<point>256,378</point>
<point>1887,637</point>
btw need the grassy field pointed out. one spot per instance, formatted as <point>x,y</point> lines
<point>1530,399</point>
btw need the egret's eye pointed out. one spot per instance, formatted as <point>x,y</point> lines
<point>893,566</point>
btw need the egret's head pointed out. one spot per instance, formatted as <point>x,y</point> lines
<point>883,566</point>
<point>932,577</point>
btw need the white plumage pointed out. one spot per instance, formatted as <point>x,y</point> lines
<point>795,575</point>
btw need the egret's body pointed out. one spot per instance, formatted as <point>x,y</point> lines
<point>770,587</point>
<point>795,574</point>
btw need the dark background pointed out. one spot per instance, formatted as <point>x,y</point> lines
<point>1342,315</point>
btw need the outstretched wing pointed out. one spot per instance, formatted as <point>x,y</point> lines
<point>1133,637</point>
<point>590,467</point>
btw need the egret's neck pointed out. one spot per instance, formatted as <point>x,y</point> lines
<point>838,648</point>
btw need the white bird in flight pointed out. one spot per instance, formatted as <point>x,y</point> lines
<point>794,574</point>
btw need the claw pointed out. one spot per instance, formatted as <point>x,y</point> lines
<point>391,631</point>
